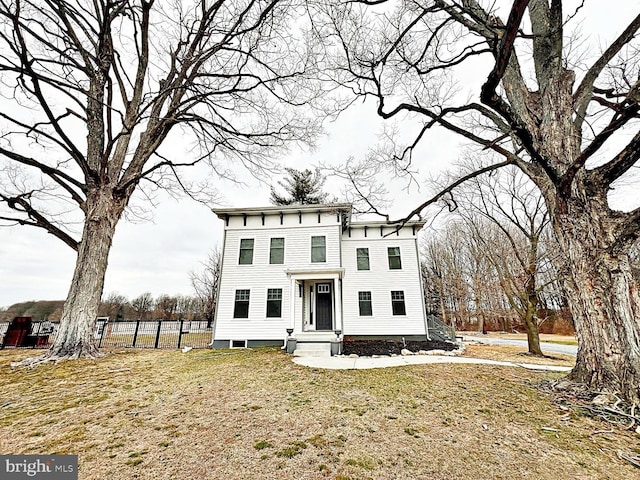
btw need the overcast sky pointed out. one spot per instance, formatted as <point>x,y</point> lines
<point>157,256</point>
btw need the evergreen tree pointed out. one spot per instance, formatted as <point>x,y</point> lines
<point>301,188</point>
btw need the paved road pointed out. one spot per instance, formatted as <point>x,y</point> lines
<point>546,347</point>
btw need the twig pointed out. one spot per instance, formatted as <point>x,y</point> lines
<point>632,459</point>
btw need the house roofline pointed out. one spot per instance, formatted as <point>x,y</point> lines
<point>347,208</point>
<point>384,223</point>
<point>323,207</point>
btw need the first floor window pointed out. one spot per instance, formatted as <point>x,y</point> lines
<point>397,302</point>
<point>241,306</point>
<point>364,302</point>
<point>274,302</point>
<point>318,249</point>
<point>246,251</point>
<point>362,257</point>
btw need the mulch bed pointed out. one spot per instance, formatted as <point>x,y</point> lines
<point>367,348</point>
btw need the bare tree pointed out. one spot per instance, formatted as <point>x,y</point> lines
<point>113,306</point>
<point>143,305</point>
<point>508,220</point>
<point>556,115</point>
<point>465,287</point>
<point>93,91</point>
<point>445,264</point>
<point>166,307</point>
<point>186,307</point>
<point>206,283</point>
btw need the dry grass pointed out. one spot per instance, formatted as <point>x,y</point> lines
<point>544,337</point>
<point>158,414</point>
<point>506,353</point>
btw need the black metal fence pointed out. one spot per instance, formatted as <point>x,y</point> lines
<point>127,334</point>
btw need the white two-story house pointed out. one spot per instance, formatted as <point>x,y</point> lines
<point>311,273</point>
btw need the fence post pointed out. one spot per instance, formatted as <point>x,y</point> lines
<point>104,328</point>
<point>180,333</point>
<point>135,334</point>
<point>158,334</point>
<point>37,334</point>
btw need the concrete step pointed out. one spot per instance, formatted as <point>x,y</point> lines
<point>312,353</point>
<point>312,349</point>
<point>320,336</point>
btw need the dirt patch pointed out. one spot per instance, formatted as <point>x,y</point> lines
<point>367,348</point>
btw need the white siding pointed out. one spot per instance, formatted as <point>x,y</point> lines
<point>380,281</point>
<point>260,275</point>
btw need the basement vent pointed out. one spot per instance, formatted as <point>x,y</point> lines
<point>238,344</point>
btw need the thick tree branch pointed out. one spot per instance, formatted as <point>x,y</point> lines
<point>35,218</point>
<point>61,178</point>
<point>584,92</point>
<point>620,164</point>
<point>27,64</point>
<point>503,51</point>
<point>450,188</point>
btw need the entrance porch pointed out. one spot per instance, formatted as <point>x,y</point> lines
<point>315,311</point>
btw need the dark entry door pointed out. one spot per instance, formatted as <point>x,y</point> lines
<point>324,307</point>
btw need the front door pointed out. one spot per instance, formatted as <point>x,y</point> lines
<point>324,307</point>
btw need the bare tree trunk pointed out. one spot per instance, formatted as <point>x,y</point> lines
<point>531,295</point>
<point>75,337</point>
<point>604,302</point>
<point>531,326</point>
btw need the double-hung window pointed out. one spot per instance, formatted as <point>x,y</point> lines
<point>397,302</point>
<point>276,252</point>
<point>318,249</point>
<point>241,305</point>
<point>364,304</point>
<point>362,258</point>
<point>246,251</point>
<point>274,302</point>
<point>394,258</point>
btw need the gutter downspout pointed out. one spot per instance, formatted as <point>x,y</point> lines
<point>424,311</point>
<point>215,315</point>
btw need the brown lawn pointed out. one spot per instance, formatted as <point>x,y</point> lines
<point>506,353</point>
<point>163,414</point>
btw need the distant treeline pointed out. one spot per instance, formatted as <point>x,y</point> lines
<point>118,307</point>
<point>39,310</point>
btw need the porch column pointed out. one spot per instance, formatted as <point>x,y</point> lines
<point>338,298</point>
<point>292,304</point>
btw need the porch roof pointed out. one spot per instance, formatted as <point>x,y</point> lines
<point>314,273</point>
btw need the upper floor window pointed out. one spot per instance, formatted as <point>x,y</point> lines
<point>274,302</point>
<point>364,304</point>
<point>394,258</point>
<point>362,257</point>
<point>241,305</point>
<point>276,253</point>
<point>397,302</point>
<point>318,249</point>
<point>246,251</point>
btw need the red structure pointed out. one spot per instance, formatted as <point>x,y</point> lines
<point>17,332</point>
